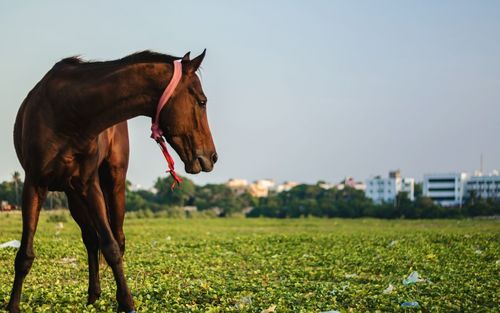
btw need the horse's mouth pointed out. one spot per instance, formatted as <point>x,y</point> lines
<point>199,164</point>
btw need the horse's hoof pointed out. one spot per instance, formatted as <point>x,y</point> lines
<point>121,309</point>
<point>12,309</point>
<point>92,298</point>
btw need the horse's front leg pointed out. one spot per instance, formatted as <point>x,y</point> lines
<point>33,198</point>
<point>108,244</point>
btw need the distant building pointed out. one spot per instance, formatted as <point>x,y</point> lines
<point>261,188</point>
<point>483,186</point>
<point>446,189</point>
<point>350,182</point>
<point>326,185</point>
<point>386,189</point>
<point>238,185</point>
<point>286,186</point>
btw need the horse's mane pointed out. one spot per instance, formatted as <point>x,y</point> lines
<point>138,57</point>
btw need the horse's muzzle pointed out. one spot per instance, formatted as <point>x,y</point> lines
<point>202,163</point>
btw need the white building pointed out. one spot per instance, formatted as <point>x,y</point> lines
<point>483,186</point>
<point>446,189</point>
<point>386,189</point>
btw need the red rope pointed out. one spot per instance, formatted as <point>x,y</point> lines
<point>157,133</point>
<point>170,162</point>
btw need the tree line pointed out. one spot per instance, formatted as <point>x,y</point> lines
<point>218,197</point>
<point>312,200</point>
<point>301,201</point>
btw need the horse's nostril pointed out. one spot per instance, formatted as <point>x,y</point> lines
<point>215,157</point>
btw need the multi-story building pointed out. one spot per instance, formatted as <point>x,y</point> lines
<point>386,189</point>
<point>483,186</point>
<point>446,189</point>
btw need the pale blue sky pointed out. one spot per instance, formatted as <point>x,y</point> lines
<point>298,90</point>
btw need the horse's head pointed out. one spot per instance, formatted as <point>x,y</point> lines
<point>184,120</point>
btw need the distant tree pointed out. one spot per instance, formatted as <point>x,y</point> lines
<point>16,179</point>
<point>271,207</point>
<point>426,208</point>
<point>481,207</point>
<point>8,191</point>
<point>417,190</point>
<point>180,195</point>
<point>134,202</point>
<point>404,206</point>
<point>222,197</point>
<point>148,195</point>
<point>55,200</point>
<point>305,200</point>
<point>326,204</point>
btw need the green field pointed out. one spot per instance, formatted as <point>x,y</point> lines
<point>248,265</point>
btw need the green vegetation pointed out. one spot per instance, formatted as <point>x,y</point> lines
<point>248,265</point>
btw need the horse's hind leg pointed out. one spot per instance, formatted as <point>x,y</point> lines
<point>79,211</point>
<point>33,198</point>
<point>112,181</point>
<point>112,176</point>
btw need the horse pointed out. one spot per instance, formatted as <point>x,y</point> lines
<point>71,135</point>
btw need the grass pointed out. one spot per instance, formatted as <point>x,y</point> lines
<point>249,265</point>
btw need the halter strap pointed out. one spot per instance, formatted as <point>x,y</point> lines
<point>156,131</point>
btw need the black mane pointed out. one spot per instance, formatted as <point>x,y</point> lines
<point>148,56</point>
<point>138,57</point>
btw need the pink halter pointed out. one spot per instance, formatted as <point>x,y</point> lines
<point>157,132</point>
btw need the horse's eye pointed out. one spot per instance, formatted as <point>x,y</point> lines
<point>202,103</point>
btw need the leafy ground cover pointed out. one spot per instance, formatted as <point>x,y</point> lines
<point>250,265</point>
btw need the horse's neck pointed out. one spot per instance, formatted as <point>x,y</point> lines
<point>123,94</point>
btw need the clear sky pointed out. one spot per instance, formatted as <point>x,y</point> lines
<point>298,90</point>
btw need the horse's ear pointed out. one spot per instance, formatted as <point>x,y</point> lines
<point>195,63</point>
<point>185,58</point>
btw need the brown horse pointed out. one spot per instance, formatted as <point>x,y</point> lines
<point>71,135</point>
